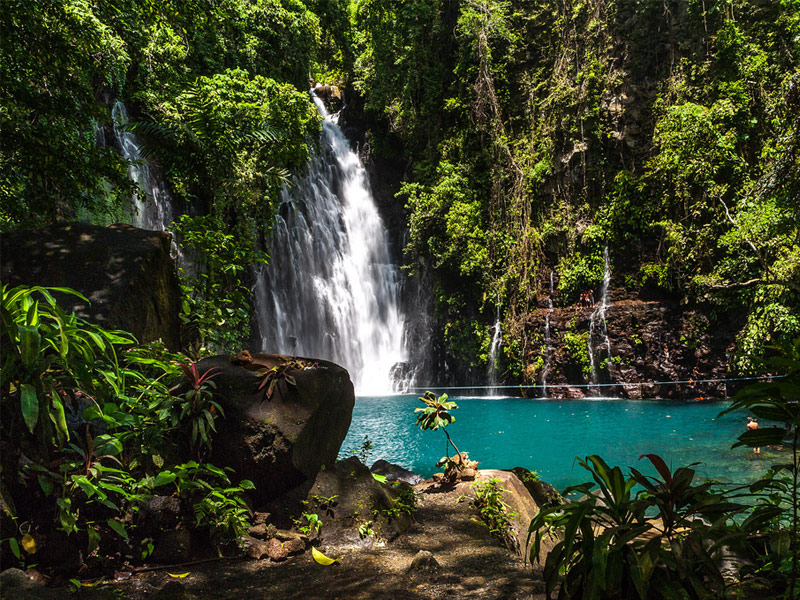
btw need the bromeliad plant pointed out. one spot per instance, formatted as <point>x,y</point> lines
<point>199,409</point>
<point>271,378</point>
<point>661,542</point>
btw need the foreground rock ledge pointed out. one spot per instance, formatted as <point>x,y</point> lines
<point>284,441</point>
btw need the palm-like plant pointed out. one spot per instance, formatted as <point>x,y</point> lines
<point>436,414</point>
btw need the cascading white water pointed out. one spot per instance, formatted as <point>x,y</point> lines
<point>497,340</point>
<point>548,345</point>
<point>151,207</point>
<point>599,317</point>
<point>330,290</point>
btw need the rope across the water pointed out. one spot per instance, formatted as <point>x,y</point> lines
<point>592,385</point>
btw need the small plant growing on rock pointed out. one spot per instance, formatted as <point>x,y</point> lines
<point>280,372</point>
<point>436,414</point>
<point>494,511</point>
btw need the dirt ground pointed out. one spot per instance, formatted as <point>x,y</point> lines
<point>472,565</point>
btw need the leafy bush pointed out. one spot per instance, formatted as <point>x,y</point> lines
<point>494,510</point>
<point>216,305</point>
<point>97,430</point>
<point>663,541</point>
<point>576,345</point>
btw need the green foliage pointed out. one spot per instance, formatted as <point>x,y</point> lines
<point>198,409</point>
<point>364,451</point>
<point>216,299</point>
<point>272,377</point>
<point>54,53</point>
<point>778,492</point>
<point>470,340</point>
<point>579,273</point>
<point>94,418</point>
<point>576,345</point>
<point>446,222</point>
<point>494,511</point>
<point>436,414</point>
<point>312,525</point>
<point>229,139</point>
<point>612,547</point>
<point>47,356</point>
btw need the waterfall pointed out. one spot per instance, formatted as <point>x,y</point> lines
<point>151,207</point>
<point>548,344</point>
<point>330,290</point>
<point>497,340</point>
<point>599,318</point>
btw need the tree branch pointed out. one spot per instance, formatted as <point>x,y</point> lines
<point>753,282</point>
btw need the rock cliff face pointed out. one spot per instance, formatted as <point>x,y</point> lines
<point>650,342</point>
<point>125,272</point>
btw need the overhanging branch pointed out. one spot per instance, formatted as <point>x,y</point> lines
<point>754,282</point>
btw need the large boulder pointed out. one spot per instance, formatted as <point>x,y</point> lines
<point>126,273</point>
<point>282,441</point>
<point>355,508</point>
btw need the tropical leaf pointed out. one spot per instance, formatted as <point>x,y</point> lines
<point>321,559</point>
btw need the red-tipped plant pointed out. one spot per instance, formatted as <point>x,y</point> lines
<point>198,406</point>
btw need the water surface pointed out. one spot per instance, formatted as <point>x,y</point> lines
<point>546,435</point>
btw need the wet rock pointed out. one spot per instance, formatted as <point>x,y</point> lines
<point>394,472</point>
<point>126,273</point>
<point>277,550</point>
<point>424,562</point>
<point>281,442</point>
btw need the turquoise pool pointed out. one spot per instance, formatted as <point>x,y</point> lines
<point>546,435</point>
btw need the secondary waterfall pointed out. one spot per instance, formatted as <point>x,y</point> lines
<point>599,318</point>
<point>548,344</point>
<point>330,290</point>
<point>497,340</point>
<point>151,207</point>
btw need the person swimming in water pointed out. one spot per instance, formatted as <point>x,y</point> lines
<point>752,425</point>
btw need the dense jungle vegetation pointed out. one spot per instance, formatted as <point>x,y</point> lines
<point>533,133</point>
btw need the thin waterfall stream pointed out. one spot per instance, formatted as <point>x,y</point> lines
<point>598,318</point>
<point>548,343</point>
<point>497,340</point>
<point>331,290</point>
<point>150,205</point>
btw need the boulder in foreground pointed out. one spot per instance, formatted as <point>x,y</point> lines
<point>281,440</point>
